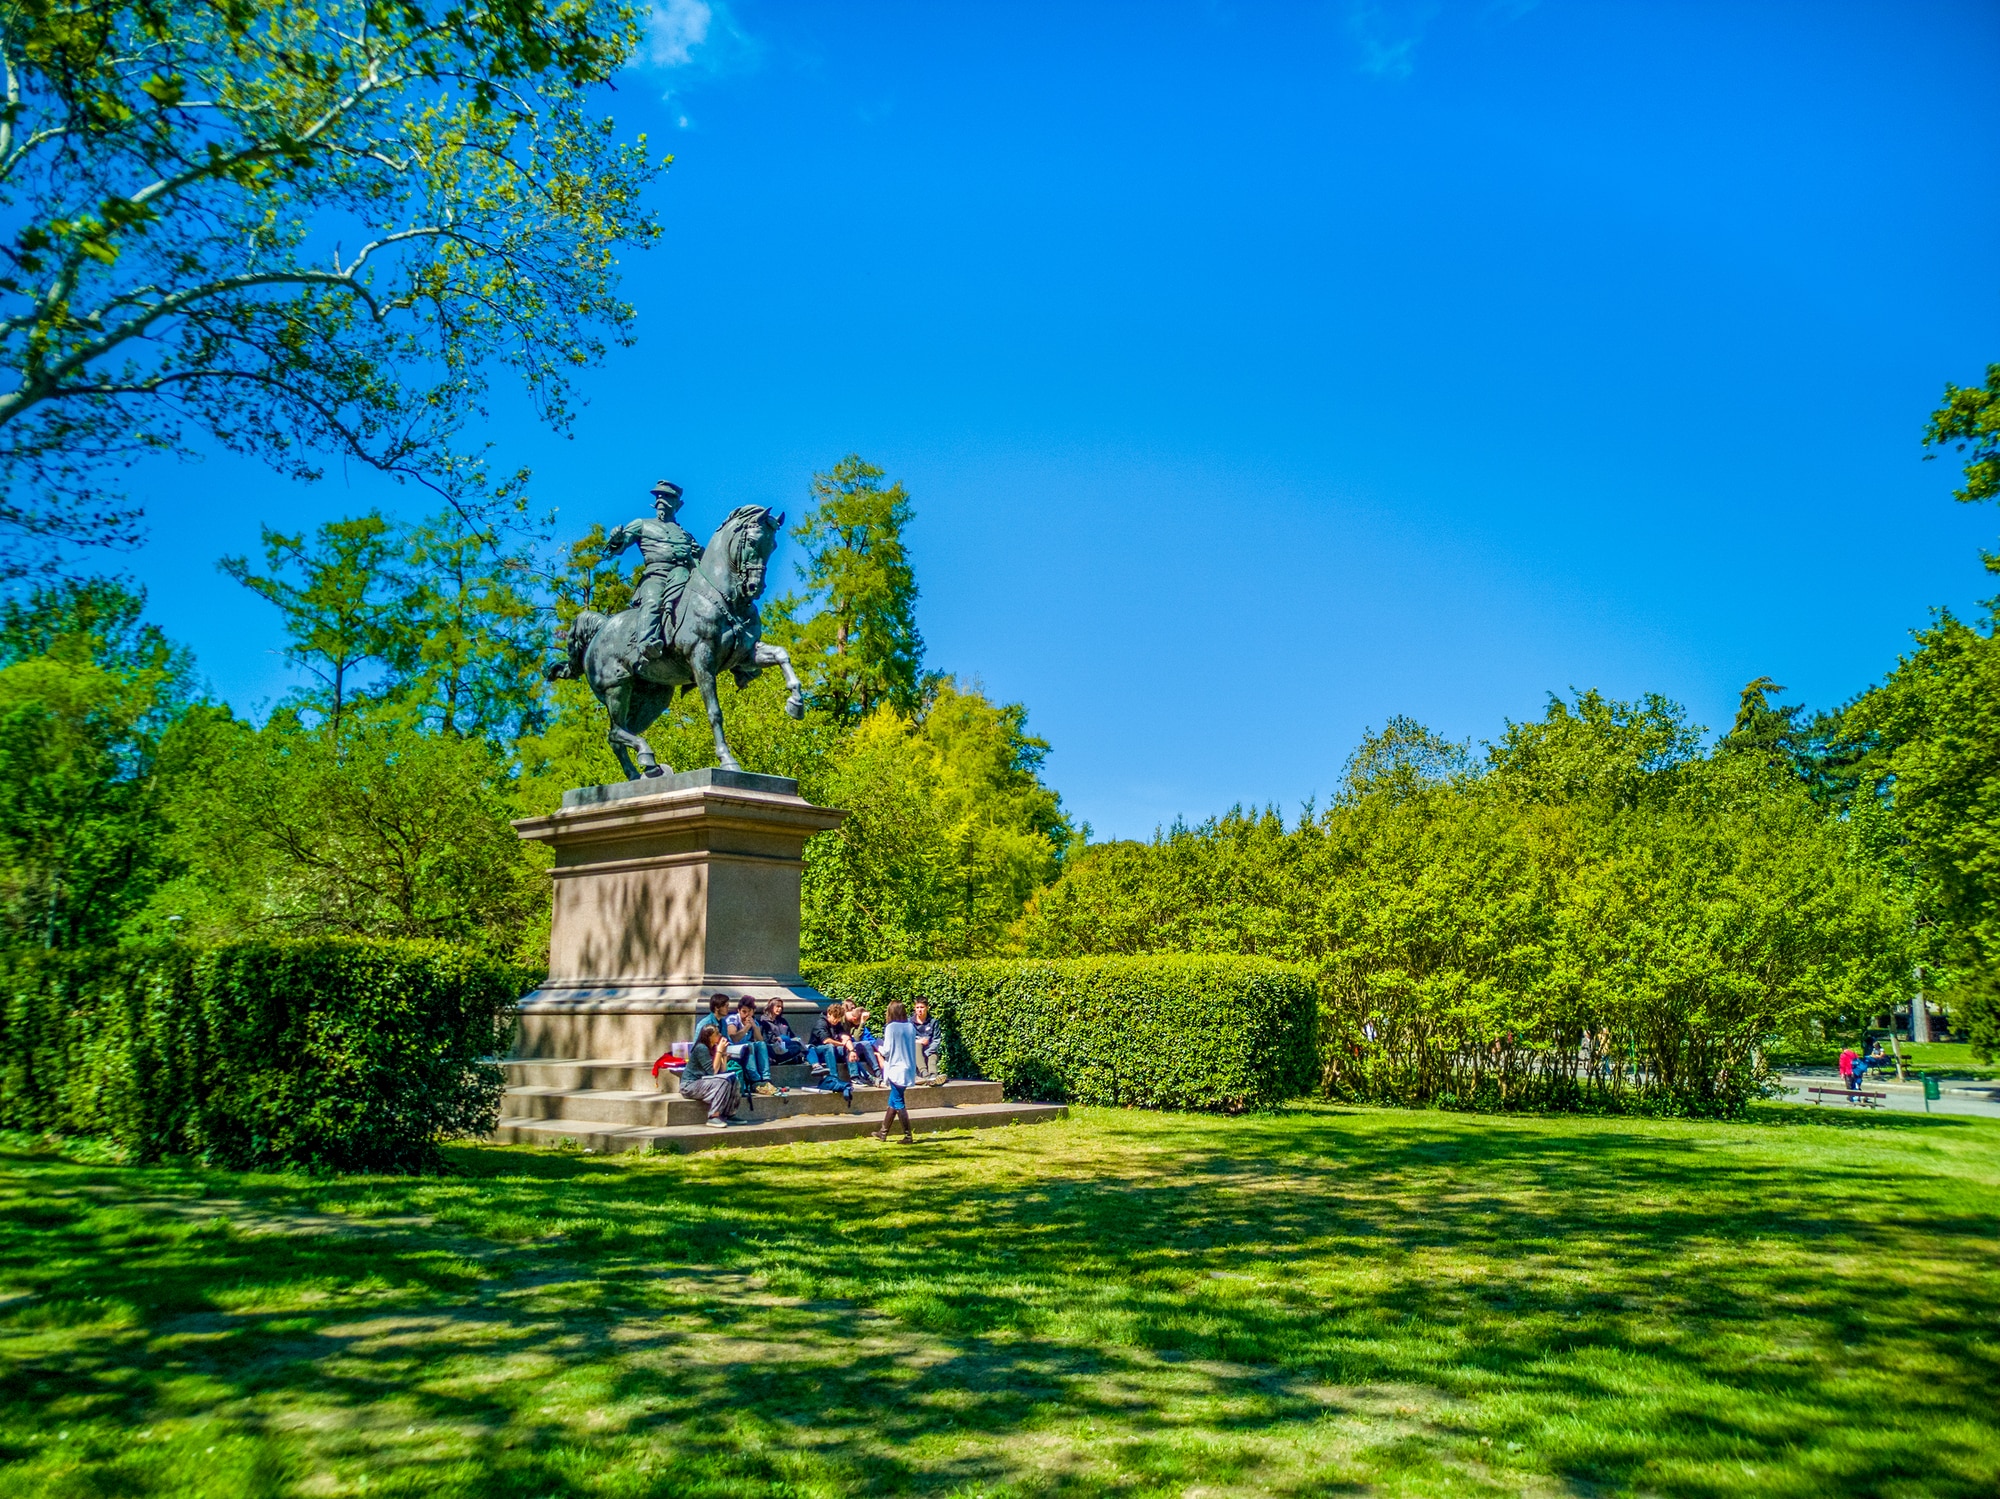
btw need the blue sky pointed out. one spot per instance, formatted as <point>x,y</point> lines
<point>1261,371</point>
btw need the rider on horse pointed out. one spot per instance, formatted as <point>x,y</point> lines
<point>670,554</point>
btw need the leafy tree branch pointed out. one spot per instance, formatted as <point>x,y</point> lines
<point>180,177</point>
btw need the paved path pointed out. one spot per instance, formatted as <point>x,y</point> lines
<point>1979,1100</point>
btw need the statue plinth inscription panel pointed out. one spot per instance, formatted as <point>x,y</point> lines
<point>667,890</point>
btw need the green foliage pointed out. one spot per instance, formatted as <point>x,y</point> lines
<point>385,830</point>
<point>347,1055</point>
<point>859,649</point>
<point>340,1055</point>
<point>1403,759</point>
<point>445,608</point>
<point>101,1041</point>
<point>951,828</point>
<point>1773,736</point>
<point>951,832</point>
<point>1932,774</point>
<point>334,593</point>
<point>590,577</point>
<point>1162,1033</point>
<point>86,692</point>
<point>1603,918</point>
<point>180,178</point>
<point>464,641</point>
<point>1595,750</point>
<point>1976,1007</point>
<point>1970,417</point>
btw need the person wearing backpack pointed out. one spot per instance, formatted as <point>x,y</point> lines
<point>747,1044</point>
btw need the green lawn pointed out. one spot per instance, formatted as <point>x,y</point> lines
<point>1947,1061</point>
<point>1953,1061</point>
<point>1319,1301</point>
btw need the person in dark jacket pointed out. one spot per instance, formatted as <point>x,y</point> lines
<point>930,1045</point>
<point>830,1045</point>
<point>783,1041</point>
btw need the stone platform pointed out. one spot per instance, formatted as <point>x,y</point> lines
<point>667,890</point>
<point>610,1106</point>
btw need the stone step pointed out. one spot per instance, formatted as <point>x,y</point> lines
<point>612,1075</point>
<point>617,1076</point>
<point>650,1106</point>
<point>611,1106</point>
<point>684,1139</point>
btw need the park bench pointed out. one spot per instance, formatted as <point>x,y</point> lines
<point>1852,1095</point>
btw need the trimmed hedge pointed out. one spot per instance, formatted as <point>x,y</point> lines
<point>336,1054</point>
<point>1160,1033</point>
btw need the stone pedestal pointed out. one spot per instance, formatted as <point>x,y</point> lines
<point>667,891</point>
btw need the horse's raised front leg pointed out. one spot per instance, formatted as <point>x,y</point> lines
<point>700,664</point>
<point>772,655</point>
<point>618,706</point>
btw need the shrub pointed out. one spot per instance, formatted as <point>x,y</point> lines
<point>1601,919</point>
<point>100,1042</point>
<point>1166,1032</point>
<point>1976,1009</point>
<point>343,1054</point>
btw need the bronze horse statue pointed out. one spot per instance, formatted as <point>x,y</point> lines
<point>714,630</point>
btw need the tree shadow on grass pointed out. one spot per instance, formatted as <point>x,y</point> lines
<point>1631,1294</point>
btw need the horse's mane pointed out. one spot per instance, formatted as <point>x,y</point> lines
<point>739,517</point>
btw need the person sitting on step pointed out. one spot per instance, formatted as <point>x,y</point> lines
<point>899,1069</point>
<point>718,1015</point>
<point>785,1047</point>
<point>748,1046</point>
<point>867,1044</point>
<point>717,1018</point>
<point>930,1044</point>
<point>829,1046</point>
<point>707,1078</point>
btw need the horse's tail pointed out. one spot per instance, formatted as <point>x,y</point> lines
<point>577,638</point>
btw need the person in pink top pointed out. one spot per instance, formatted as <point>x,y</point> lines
<point>1847,1068</point>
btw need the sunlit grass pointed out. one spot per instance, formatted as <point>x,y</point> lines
<point>1955,1060</point>
<point>1315,1301</point>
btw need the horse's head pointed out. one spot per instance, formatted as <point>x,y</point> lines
<point>739,552</point>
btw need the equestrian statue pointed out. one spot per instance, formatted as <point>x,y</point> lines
<point>692,618</point>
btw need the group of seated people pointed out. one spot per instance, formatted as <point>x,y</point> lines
<point>736,1046</point>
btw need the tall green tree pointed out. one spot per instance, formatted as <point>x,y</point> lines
<point>951,832</point>
<point>464,637</point>
<point>390,830</point>
<point>87,691</point>
<point>1934,728</point>
<point>298,230</point>
<point>1969,421</point>
<point>853,631</point>
<point>335,590</point>
<point>1592,748</point>
<point>1403,759</point>
<point>1926,761</point>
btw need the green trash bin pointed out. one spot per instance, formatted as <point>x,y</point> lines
<point>1930,1091</point>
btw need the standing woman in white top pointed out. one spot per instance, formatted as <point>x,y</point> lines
<point>899,1068</point>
